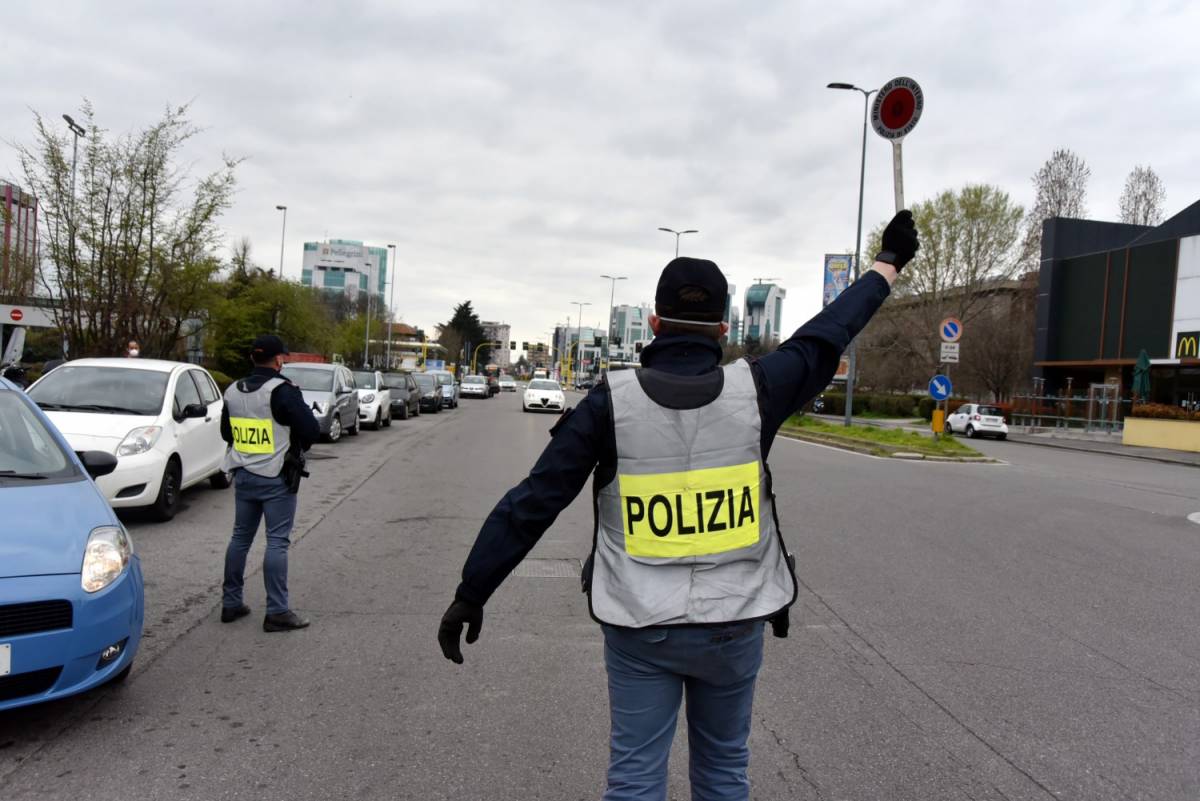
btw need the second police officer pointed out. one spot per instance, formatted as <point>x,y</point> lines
<point>268,426</point>
<point>687,559</point>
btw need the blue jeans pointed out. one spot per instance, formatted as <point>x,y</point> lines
<point>649,670</point>
<point>256,497</point>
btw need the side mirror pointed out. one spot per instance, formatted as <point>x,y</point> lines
<point>97,463</point>
<point>194,411</point>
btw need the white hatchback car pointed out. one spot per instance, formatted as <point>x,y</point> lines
<point>374,399</point>
<point>977,420</point>
<point>161,419</point>
<point>474,386</point>
<point>543,395</point>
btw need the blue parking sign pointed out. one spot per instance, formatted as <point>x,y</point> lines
<point>940,387</point>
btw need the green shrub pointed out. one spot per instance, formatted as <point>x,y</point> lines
<point>1162,411</point>
<point>223,381</point>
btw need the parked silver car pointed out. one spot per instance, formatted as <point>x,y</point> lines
<point>330,392</point>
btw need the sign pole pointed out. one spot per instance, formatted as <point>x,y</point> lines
<point>898,173</point>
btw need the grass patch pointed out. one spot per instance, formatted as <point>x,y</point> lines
<point>882,441</point>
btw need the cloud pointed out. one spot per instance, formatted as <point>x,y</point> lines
<point>516,151</point>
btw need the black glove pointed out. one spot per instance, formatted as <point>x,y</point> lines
<point>452,625</point>
<point>780,624</point>
<point>899,241</point>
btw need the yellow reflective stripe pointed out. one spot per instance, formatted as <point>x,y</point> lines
<point>693,513</point>
<point>252,435</point>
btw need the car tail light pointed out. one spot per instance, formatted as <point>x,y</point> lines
<point>976,417</point>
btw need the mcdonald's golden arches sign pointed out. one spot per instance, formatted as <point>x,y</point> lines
<point>1187,345</point>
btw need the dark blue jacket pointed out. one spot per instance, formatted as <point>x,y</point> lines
<point>583,439</point>
<point>287,407</point>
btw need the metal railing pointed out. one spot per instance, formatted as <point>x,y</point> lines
<point>1102,410</point>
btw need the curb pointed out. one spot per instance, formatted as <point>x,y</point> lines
<point>882,452</point>
<point>1062,445</point>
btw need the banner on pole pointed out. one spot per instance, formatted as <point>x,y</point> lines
<point>837,276</point>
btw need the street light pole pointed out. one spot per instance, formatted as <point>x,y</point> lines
<point>282,238</point>
<point>78,131</point>
<point>579,334</point>
<point>612,295</point>
<point>367,337</point>
<point>677,235</point>
<point>852,371</point>
<point>391,306</point>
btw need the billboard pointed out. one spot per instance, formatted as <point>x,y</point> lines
<point>336,254</point>
<point>837,276</point>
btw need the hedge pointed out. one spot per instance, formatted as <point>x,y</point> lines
<point>1163,411</point>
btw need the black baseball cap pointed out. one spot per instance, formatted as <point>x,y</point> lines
<point>691,291</point>
<point>267,346</point>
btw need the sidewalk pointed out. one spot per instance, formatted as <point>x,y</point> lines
<point>1109,444</point>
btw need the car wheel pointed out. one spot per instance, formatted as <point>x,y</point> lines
<point>378,424</point>
<point>355,429</point>
<point>387,421</point>
<point>970,432</point>
<point>167,503</point>
<point>335,429</point>
<point>219,480</point>
<point>404,412</point>
<point>124,674</point>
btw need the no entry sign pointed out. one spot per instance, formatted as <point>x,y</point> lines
<point>17,315</point>
<point>897,108</point>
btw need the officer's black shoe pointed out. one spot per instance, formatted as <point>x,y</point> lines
<point>288,621</point>
<point>232,613</point>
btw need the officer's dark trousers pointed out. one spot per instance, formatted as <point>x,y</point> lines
<point>649,671</point>
<point>257,497</point>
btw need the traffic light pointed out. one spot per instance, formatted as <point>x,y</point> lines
<point>637,348</point>
<point>617,341</point>
<point>596,342</point>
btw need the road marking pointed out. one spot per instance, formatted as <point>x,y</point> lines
<point>1195,518</point>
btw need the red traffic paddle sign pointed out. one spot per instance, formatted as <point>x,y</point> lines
<point>897,108</point>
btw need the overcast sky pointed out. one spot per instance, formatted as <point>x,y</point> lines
<point>515,151</point>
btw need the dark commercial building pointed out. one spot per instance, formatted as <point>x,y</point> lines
<point>1108,291</point>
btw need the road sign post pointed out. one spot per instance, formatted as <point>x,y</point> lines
<point>897,108</point>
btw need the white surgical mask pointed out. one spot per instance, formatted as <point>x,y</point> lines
<point>133,352</point>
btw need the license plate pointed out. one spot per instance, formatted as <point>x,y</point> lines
<point>5,659</point>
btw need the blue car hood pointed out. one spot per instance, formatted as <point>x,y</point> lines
<point>46,526</point>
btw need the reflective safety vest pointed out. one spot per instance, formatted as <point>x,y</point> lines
<point>686,533</point>
<point>260,444</point>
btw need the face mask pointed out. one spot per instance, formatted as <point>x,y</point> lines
<point>133,352</point>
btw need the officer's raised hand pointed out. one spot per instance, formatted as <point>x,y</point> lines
<point>450,630</point>
<point>900,242</point>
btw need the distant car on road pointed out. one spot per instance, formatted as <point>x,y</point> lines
<point>543,395</point>
<point>161,419</point>
<point>448,386</point>
<point>507,384</point>
<point>374,399</point>
<point>977,420</point>
<point>405,395</point>
<point>329,391</point>
<point>71,597</point>
<point>474,386</point>
<point>430,392</point>
<point>584,383</point>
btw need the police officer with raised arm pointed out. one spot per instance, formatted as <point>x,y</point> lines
<point>688,560</point>
<point>268,426</point>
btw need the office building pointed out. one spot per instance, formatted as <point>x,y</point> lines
<point>763,313</point>
<point>345,265</point>
<point>501,356</point>
<point>631,325</point>
<point>18,248</point>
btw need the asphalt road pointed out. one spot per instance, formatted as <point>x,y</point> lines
<point>1016,631</point>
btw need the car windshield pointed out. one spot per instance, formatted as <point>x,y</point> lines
<point>425,381</point>
<point>394,381</point>
<point>991,411</point>
<point>445,378</point>
<point>101,390</point>
<point>544,384</point>
<point>473,379</point>
<point>28,451</point>
<point>310,379</point>
<point>364,380</point>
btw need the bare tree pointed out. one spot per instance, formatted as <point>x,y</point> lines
<point>1143,198</point>
<point>968,245</point>
<point>132,255</point>
<point>1060,190</point>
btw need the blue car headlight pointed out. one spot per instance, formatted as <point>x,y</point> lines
<point>105,557</point>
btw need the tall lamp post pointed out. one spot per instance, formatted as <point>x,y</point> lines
<point>579,334</point>
<point>612,295</point>
<point>391,306</point>
<point>367,337</point>
<point>282,238</point>
<point>677,235</point>
<point>78,131</point>
<point>852,372</point>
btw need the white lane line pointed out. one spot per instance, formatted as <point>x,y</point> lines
<point>1195,518</point>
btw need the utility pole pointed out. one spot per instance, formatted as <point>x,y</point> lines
<point>282,238</point>
<point>367,337</point>
<point>391,306</point>
<point>611,298</point>
<point>579,334</point>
